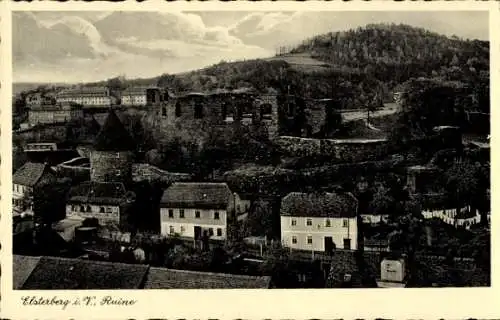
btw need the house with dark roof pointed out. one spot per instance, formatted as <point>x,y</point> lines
<point>55,273</point>
<point>161,278</point>
<point>22,268</point>
<point>46,273</point>
<point>196,209</point>
<point>25,180</point>
<point>319,221</point>
<point>104,201</point>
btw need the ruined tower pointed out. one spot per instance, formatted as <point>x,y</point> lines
<point>112,157</point>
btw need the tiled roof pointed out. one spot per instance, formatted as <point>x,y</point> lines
<point>113,193</point>
<point>160,278</point>
<point>30,173</point>
<point>84,91</point>
<point>63,273</point>
<point>135,91</point>
<point>22,266</point>
<point>318,205</point>
<point>196,195</point>
<point>113,135</point>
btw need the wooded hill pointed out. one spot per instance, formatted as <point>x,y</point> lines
<point>351,66</point>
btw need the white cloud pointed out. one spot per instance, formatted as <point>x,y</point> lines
<point>114,44</point>
<point>85,46</point>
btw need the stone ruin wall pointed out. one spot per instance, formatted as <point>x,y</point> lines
<point>339,150</point>
<point>109,166</point>
<point>166,125</point>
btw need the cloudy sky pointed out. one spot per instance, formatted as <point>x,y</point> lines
<point>88,46</point>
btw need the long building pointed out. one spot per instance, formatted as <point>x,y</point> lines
<point>89,96</point>
<point>63,112</point>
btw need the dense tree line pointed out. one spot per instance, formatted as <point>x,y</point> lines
<point>396,53</point>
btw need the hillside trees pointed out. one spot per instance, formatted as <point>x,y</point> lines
<point>428,103</point>
<point>49,201</point>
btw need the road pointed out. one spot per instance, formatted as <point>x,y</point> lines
<point>389,109</point>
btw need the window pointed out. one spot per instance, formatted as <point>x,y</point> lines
<point>309,222</point>
<point>265,109</point>
<point>101,209</point>
<point>108,210</point>
<point>89,209</point>
<point>197,214</point>
<point>170,213</point>
<point>345,223</point>
<point>181,213</point>
<point>172,229</point>
<point>178,109</point>
<point>164,111</point>
<point>219,232</point>
<point>82,209</point>
<point>238,208</point>
<point>309,240</point>
<point>328,223</point>
<point>183,229</point>
<point>216,215</point>
<point>198,111</point>
<point>210,231</point>
<point>294,240</point>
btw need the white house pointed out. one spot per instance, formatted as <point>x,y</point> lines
<point>138,96</point>
<point>195,209</point>
<point>24,182</point>
<point>319,221</point>
<point>101,200</point>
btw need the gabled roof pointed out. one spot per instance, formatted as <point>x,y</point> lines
<point>22,266</point>
<point>325,204</point>
<point>161,278</point>
<point>63,273</point>
<point>197,195</point>
<point>112,193</point>
<point>31,173</point>
<point>113,135</point>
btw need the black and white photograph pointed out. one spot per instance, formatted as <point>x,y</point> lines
<point>250,150</point>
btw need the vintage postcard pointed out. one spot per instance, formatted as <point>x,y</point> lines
<point>248,160</point>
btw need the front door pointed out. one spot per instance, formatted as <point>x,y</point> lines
<point>329,245</point>
<point>197,233</point>
<point>347,244</point>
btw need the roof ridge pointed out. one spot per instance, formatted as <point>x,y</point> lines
<point>240,276</point>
